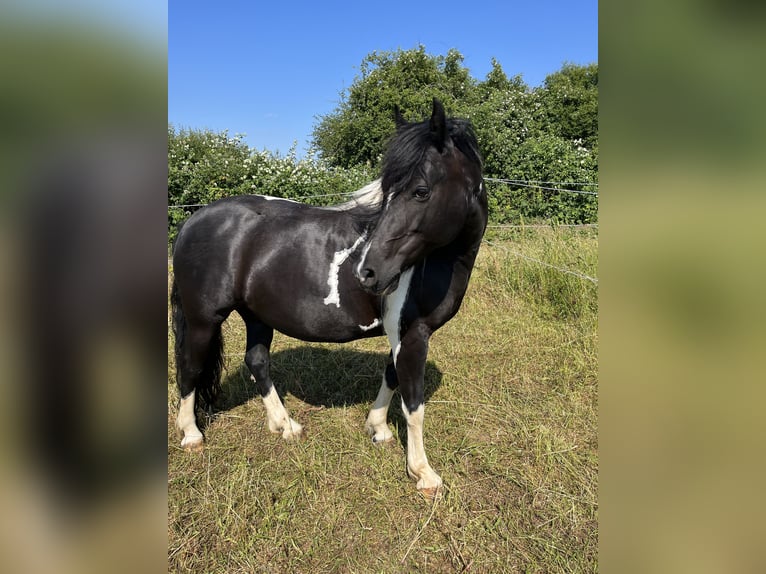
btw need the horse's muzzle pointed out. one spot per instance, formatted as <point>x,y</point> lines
<point>372,283</point>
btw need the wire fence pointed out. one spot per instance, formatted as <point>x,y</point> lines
<point>551,225</point>
<point>538,185</point>
<point>593,280</point>
<point>533,184</point>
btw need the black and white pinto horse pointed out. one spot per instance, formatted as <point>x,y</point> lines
<point>394,261</point>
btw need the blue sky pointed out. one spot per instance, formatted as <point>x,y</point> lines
<point>267,69</point>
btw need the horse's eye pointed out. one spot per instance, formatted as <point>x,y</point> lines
<point>422,193</point>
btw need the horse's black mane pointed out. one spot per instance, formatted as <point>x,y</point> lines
<point>404,153</point>
<point>408,145</point>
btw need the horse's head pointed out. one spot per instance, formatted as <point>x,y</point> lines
<point>432,190</point>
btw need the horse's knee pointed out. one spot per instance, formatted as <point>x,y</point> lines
<point>392,381</point>
<point>257,360</point>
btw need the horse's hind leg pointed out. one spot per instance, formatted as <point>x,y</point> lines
<point>259,338</point>
<point>186,422</point>
<point>376,425</point>
<point>198,371</point>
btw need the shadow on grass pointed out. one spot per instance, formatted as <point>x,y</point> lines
<point>323,377</point>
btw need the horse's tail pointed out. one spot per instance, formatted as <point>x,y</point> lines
<point>208,383</point>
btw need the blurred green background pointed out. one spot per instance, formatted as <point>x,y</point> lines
<point>82,105</point>
<point>683,139</point>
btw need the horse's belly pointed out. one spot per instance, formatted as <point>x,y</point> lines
<point>312,323</point>
<point>311,317</point>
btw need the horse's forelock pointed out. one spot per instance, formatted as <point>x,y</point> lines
<point>405,151</point>
<point>407,147</point>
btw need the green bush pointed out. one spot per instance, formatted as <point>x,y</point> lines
<point>204,166</point>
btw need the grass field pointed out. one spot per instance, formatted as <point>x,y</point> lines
<point>511,414</point>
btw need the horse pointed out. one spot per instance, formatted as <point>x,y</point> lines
<point>395,260</point>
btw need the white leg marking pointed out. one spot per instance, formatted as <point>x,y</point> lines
<point>392,317</point>
<point>332,279</point>
<point>187,424</point>
<point>278,418</point>
<point>417,462</point>
<point>371,326</point>
<point>376,425</point>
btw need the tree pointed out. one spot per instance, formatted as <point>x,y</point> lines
<point>502,112</point>
<point>545,134</point>
<point>569,103</point>
<point>356,132</point>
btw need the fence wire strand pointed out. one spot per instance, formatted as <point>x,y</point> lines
<point>337,194</point>
<point>539,225</point>
<point>593,280</point>
<point>533,184</point>
<point>518,183</point>
<point>586,183</point>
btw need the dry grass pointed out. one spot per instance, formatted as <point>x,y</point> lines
<point>510,426</point>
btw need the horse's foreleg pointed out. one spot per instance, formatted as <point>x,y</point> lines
<point>257,359</point>
<point>377,425</point>
<point>410,369</point>
<point>277,416</point>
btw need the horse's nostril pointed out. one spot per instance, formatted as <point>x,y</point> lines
<point>367,277</point>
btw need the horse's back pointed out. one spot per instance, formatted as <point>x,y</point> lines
<point>226,225</point>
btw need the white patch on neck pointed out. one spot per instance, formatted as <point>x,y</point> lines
<point>392,317</point>
<point>371,326</point>
<point>332,278</point>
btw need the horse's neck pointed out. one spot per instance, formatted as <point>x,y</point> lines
<point>464,249</point>
<point>466,246</point>
<point>347,225</point>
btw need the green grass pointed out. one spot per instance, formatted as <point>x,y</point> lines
<point>510,425</point>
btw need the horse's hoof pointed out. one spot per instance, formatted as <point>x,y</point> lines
<point>293,434</point>
<point>193,444</point>
<point>382,439</point>
<point>384,442</point>
<point>431,493</point>
<point>429,483</point>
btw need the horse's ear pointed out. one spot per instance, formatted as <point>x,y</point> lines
<point>438,125</point>
<point>399,118</point>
